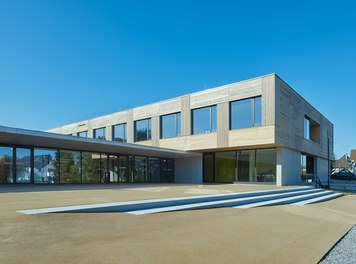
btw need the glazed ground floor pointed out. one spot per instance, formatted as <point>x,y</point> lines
<point>276,166</point>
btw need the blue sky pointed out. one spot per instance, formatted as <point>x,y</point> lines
<point>65,61</point>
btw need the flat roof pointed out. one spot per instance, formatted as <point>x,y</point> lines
<point>32,138</point>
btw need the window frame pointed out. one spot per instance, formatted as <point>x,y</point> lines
<point>177,124</point>
<point>253,112</point>
<point>148,130</point>
<point>125,132</point>
<point>99,128</point>
<point>211,129</point>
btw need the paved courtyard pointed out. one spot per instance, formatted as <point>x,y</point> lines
<point>277,234</point>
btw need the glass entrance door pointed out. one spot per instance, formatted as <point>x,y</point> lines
<point>167,170</point>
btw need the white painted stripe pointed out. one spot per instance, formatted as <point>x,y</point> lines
<point>104,205</point>
<point>319,199</point>
<point>215,203</point>
<point>282,200</point>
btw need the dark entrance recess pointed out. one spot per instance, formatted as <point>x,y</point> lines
<point>167,170</point>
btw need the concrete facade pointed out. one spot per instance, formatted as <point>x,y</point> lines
<point>282,128</point>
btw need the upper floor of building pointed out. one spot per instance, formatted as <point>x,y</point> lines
<point>256,113</point>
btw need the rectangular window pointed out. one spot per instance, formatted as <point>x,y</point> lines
<point>119,133</point>
<point>23,165</point>
<point>204,120</point>
<point>266,160</point>
<point>306,128</point>
<point>46,163</point>
<point>307,168</point>
<point>100,133</point>
<point>90,167</point>
<point>70,166</point>
<point>311,130</point>
<point>82,134</point>
<point>6,165</point>
<point>142,129</point>
<point>245,113</point>
<point>170,125</point>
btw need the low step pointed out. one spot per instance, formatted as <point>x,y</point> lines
<point>287,200</point>
<point>158,203</point>
<point>319,199</point>
<point>224,203</point>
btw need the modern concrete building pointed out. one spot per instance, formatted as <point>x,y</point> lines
<point>255,131</point>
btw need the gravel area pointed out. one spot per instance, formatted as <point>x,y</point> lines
<point>344,251</point>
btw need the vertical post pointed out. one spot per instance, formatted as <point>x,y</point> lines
<point>328,162</point>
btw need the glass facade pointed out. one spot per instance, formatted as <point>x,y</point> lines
<point>113,169</point>
<point>167,170</point>
<point>140,169</point>
<point>52,166</point>
<point>91,167</point>
<point>204,120</point>
<point>240,166</point>
<point>70,166</point>
<point>245,113</point>
<point>142,130</point>
<point>23,165</point>
<point>209,167</point>
<point>170,125</point>
<point>153,170</point>
<point>46,166</point>
<point>123,169</point>
<point>99,133</point>
<point>246,166</point>
<point>6,165</point>
<point>83,134</point>
<point>119,133</point>
<point>225,166</point>
<point>266,160</point>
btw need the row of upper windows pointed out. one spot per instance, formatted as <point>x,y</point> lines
<point>243,114</point>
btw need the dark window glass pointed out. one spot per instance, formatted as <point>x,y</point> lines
<point>204,120</point>
<point>245,113</point>
<point>170,125</point>
<point>266,161</point>
<point>208,163</point>
<point>91,167</point>
<point>104,176</point>
<point>166,170</point>
<point>307,168</point>
<point>6,165</point>
<point>142,130</point>
<point>70,166</point>
<point>225,166</point>
<point>140,169</point>
<point>123,169</point>
<point>23,165</point>
<point>246,166</point>
<point>82,134</point>
<point>100,133</point>
<point>46,163</point>
<point>113,169</point>
<point>153,170</point>
<point>119,133</point>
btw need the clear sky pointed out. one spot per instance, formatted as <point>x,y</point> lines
<point>64,61</point>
